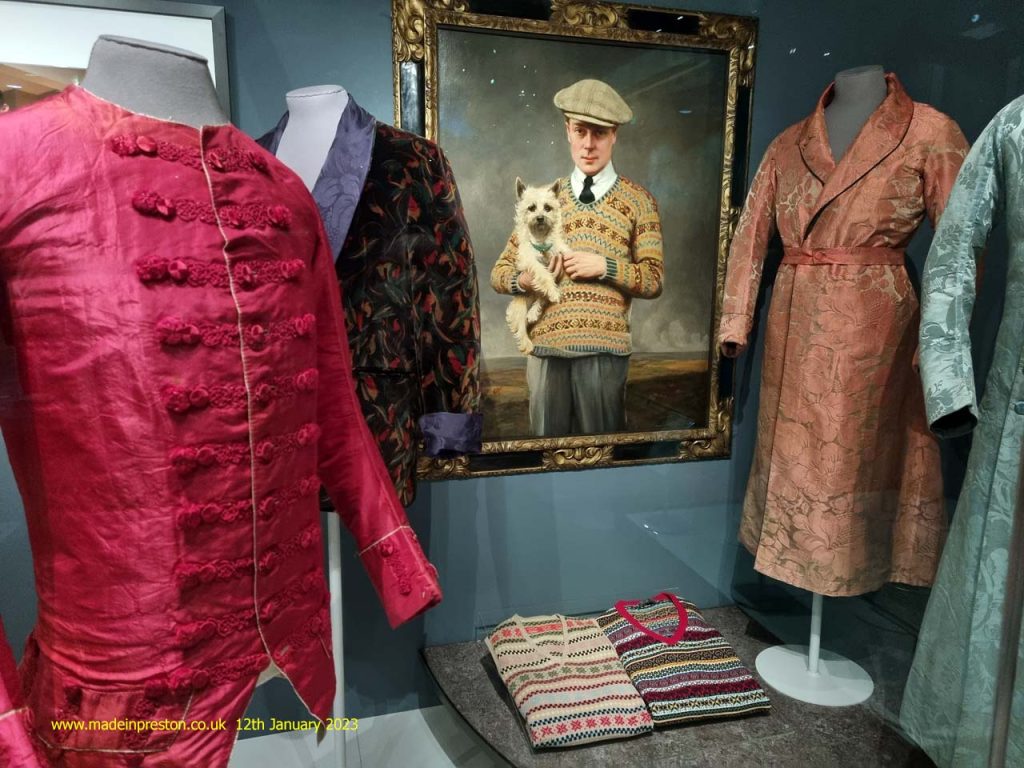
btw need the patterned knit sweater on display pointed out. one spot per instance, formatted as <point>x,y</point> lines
<point>566,680</point>
<point>682,667</point>
<point>593,316</point>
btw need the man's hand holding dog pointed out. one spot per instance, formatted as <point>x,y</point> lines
<point>579,265</point>
<point>583,265</point>
<point>526,281</point>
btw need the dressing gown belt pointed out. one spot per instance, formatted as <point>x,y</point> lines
<point>862,256</point>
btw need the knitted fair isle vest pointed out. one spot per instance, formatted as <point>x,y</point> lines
<point>693,675</point>
<point>566,680</point>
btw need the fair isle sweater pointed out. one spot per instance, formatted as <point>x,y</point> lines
<point>682,667</point>
<point>566,681</point>
<point>593,315</point>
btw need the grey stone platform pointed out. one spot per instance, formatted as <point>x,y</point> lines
<point>793,734</point>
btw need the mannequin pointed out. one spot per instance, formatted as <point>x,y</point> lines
<point>806,672</point>
<point>809,674</point>
<point>159,81</point>
<point>190,231</point>
<point>163,82</point>
<point>391,209</point>
<point>155,80</point>
<point>313,115</point>
<point>857,94</point>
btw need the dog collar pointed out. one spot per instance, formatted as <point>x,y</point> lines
<point>542,248</point>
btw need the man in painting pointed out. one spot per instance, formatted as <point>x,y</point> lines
<point>576,373</point>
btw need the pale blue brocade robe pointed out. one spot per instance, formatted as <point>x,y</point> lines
<point>948,704</point>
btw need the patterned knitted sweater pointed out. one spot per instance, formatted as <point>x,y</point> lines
<point>682,667</point>
<point>566,680</point>
<point>593,316</point>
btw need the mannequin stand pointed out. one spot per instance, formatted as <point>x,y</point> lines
<point>337,647</point>
<point>806,673</point>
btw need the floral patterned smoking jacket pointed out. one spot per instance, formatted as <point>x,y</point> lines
<point>405,262</point>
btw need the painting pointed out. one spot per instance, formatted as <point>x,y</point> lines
<point>46,45</point>
<point>622,368</point>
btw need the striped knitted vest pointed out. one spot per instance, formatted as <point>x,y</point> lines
<point>696,677</point>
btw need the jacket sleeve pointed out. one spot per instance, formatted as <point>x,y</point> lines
<point>746,255</point>
<point>448,306</point>
<point>504,272</point>
<point>352,470</point>
<point>948,288</point>
<point>643,277</point>
<point>946,152</point>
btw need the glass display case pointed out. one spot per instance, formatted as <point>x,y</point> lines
<point>660,361</point>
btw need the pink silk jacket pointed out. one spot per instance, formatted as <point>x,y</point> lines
<point>845,493</point>
<point>177,387</point>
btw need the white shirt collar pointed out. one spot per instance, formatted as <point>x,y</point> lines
<point>603,181</point>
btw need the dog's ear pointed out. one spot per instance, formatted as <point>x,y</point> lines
<point>520,188</point>
<point>556,187</point>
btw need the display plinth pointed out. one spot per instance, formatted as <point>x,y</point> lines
<point>794,734</point>
<point>838,681</point>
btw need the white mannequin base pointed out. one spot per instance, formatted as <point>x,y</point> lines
<point>839,682</point>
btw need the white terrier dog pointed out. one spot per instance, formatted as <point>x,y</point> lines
<point>539,233</point>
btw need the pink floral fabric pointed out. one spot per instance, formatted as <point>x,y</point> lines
<point>845,492</point>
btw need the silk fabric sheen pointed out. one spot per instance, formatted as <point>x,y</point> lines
<point>949,702</point>
<point>845,492</point>
<point>182,386</point>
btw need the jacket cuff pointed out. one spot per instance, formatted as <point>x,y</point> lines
<point>957,415</point>
<point>403,577</point>
<point>615,271</point>
<point>16,746</point>
<point>445,432</point>
<point>734,329</point>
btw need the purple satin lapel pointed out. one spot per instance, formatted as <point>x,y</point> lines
<point>340,185</point>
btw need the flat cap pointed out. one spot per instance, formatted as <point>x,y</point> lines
<point>593,101</point>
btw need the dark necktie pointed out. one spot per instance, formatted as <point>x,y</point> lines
<point>587,196</point>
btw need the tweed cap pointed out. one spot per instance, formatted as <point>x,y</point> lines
<point>593,101</point>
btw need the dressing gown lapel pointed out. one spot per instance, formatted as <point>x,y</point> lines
<point>878,138</point>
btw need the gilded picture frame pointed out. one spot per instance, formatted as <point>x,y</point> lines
<point>701,61</point>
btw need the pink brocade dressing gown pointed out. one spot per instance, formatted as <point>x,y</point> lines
<point>176,386</point>
<point>845,492</point>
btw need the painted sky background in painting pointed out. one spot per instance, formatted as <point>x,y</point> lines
<point>497,121</point>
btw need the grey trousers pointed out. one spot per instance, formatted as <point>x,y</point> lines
<point>577,395</point>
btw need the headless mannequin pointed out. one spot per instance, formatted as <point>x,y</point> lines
<point>313,117</point>
<point>857,94</point>
<point>807,673</point>
<point>154,80</point>
<point>162,82</point>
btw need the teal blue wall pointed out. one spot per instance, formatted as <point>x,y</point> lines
<point>576,542</point>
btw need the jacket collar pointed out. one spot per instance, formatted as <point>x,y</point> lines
<point>340,184</point>
<point>881,134</point>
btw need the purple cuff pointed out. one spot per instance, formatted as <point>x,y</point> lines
<point>445,432</point>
